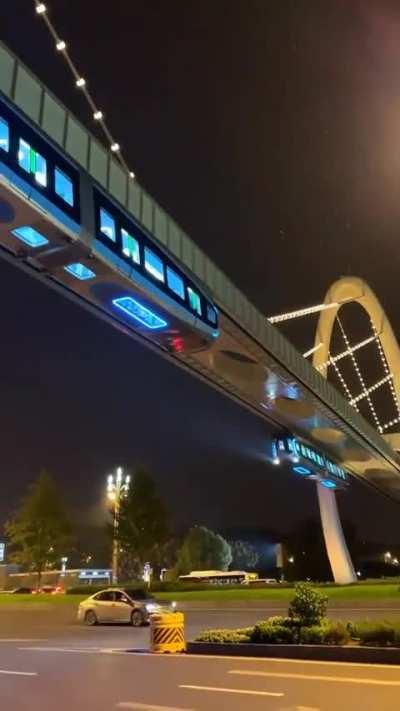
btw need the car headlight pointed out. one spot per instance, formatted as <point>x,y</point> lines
<point>173,605</point>
<point>152,607</point>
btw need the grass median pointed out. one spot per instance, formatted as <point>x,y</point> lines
<point>379,592</point>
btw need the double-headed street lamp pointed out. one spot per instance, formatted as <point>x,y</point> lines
<point>117,488</point>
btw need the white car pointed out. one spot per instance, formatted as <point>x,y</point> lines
<point>127,605</point>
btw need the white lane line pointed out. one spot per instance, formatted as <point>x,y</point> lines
<point>146,707</point>
<point>316,677</point>
<point>94,650</point>
<point>17,673</point>
<point>223,690</point>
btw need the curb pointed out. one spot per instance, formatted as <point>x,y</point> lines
<point>326,653</point>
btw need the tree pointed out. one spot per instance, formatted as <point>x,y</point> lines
<point>244,555</point>
<point>143,525</point>
<point>203,549</point>
<point>40,533</point>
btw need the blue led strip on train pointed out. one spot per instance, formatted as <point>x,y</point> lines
<point>140,313</point>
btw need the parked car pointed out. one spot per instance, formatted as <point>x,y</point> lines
<point>17,591</point>
<point>132,606</point>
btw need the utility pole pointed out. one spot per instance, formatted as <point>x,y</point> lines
<point>117,488</point>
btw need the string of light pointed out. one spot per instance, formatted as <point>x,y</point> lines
<point>313,350</point>
<point>386,369</point>
<point>343,383</point>
<point>372,389</point>
<point>347,352</point>
<point>81,84</point>
<point>302,312</point>
<point>360,377</point>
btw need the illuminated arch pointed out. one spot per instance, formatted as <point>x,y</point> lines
<point>346,290</point>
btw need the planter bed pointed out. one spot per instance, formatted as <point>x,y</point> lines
<point>320,652</point>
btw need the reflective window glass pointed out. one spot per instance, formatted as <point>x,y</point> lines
<point>130,246</point>
<point>24,155</point>
<point>32,162</point>
<point>107,225</point>
<point>212,315</point>
<point>194,300</point>
<point>4,135</point>
<point>63,186</point>
<point>153,264</point>
<point>175,283</point>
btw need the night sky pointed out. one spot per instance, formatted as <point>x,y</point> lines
<point>270,130</point>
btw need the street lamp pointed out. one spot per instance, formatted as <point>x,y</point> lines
<point>117,488</point>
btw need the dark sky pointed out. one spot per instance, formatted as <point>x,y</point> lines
<point>270,130</point>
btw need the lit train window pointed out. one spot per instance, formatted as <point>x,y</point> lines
<point>4,135</point>
<point>32,162</point>
<point>153,264</point>
<point>107,225</point>
<point>211,314</point>
<point>194,300</point>
<point>175,283</point>
<point>130,246</point>
<point>63,186</point>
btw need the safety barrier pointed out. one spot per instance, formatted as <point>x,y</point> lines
<point>167,633</point>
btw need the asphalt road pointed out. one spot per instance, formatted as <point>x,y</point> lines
<point>49,662</point>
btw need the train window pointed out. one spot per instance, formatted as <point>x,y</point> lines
<point>32,162</point>
<point>4,135</point>
<point>130,246</point>
<point>175,283</point>
<point>63,186</point>
<point>194,300</point>
<point>153,264</point>
<point>211,314</point>
<point>107,225</point>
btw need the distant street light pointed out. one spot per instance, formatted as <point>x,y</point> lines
<point>117,488</point>
<point>388,557</point>
<point>291,559</point>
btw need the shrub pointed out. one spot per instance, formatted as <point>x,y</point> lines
<point>315,634</point>
<point>267,633</point>
<point>308,605</point>
<point>375,634</point>
<point>225,636</point>
<point>336,633</point>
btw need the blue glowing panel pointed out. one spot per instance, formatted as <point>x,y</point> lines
<point>32,162</point>
<point>30,236</point>
<point>175,283</point>
<point>4,135</point>
<point>140,313</point>
<point>79,271</point>
<point>328,484</point>
<point>194,301</point>
<point>63,186</point>
<point>302,470</point>
<point>153,264</point>
<point>107,225</point>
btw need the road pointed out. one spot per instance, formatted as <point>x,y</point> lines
<point>49,662</point>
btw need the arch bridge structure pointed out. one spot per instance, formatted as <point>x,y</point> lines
<point>72,217</point>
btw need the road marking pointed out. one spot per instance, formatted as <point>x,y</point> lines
<point>145,707</point>
<point>17,673</point>
<point>223,690</point>
<point>316,677</point>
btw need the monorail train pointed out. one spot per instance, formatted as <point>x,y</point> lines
<point>308,462</point>
<point>59,221</point>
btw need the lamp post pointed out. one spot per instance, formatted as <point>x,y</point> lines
<point>117,488</point>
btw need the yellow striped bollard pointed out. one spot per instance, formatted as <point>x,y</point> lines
<point>167,633</point>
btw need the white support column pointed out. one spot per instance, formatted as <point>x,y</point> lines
<point>336,547</point>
